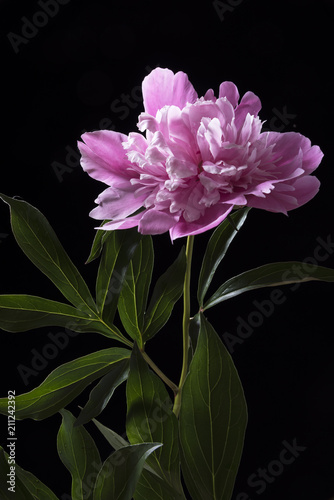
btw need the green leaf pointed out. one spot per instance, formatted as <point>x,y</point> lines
<point>116,441</point>
<point>150,485</point>
<point>150,418</point>
<point>166,293</point>
<point>216,250</point>
<point>80,456</point>
<point>120,473</point>
<point>27,486</point>
<point>38,490</point>
<point>133,298</point>
<point>103,391</point>
<point>64,384</point>
<point>20,313</point>
<point>118,250</point>
<point>98,242</point>
<point>39,242</point>
<point>276,274</point>
<point>213,419</point>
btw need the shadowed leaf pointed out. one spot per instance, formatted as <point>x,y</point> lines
<point>103,391</point>
<point>39,242</point>
<point>166,293</point>
<point>80,456</point>
<point>213,419</point>
<point>276,274</point>
<point>120,473</point>
<point>64,384</point>
<point>150,419</point>
<point>216,249</point>
<point>133,297</point>
<point>26,485</point>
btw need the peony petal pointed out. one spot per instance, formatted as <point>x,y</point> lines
<point>155,222</point>
<point>180,169</point>
<point>104,158</point>
<point>161,87</point>
<point>203,145</point>
<point>175,131</point>
<point>230,91</point>
<point>281,200</point>
<point>135,142</point>
<point>147,122</point>
<point>292,151</point>
<point>193,115</point>
<point>250,130</point>
<point>209,95</point>
<point>117,203</point>
<point>312,156</point>
<point>286,145</point>
<point>306,188</point>
<point>214,137</point>
<point>122,224</point>
<point>227,111</point>
<point>213,217</point>
<point>251,104</point>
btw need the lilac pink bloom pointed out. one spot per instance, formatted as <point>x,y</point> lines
<point>195,160</point>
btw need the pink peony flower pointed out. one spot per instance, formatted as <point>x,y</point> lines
<point>199,158</point>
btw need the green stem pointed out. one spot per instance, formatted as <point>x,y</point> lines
<point>157,370</point>
<point>185,323</point>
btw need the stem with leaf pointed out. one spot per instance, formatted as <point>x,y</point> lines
<point>185,323</point>
<point>157,370</point>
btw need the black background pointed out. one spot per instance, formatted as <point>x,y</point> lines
<point>83,71</point>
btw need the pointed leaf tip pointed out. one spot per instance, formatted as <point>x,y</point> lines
<point>121,471</point>
<point>216,249</point>
<point>41,245</point>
